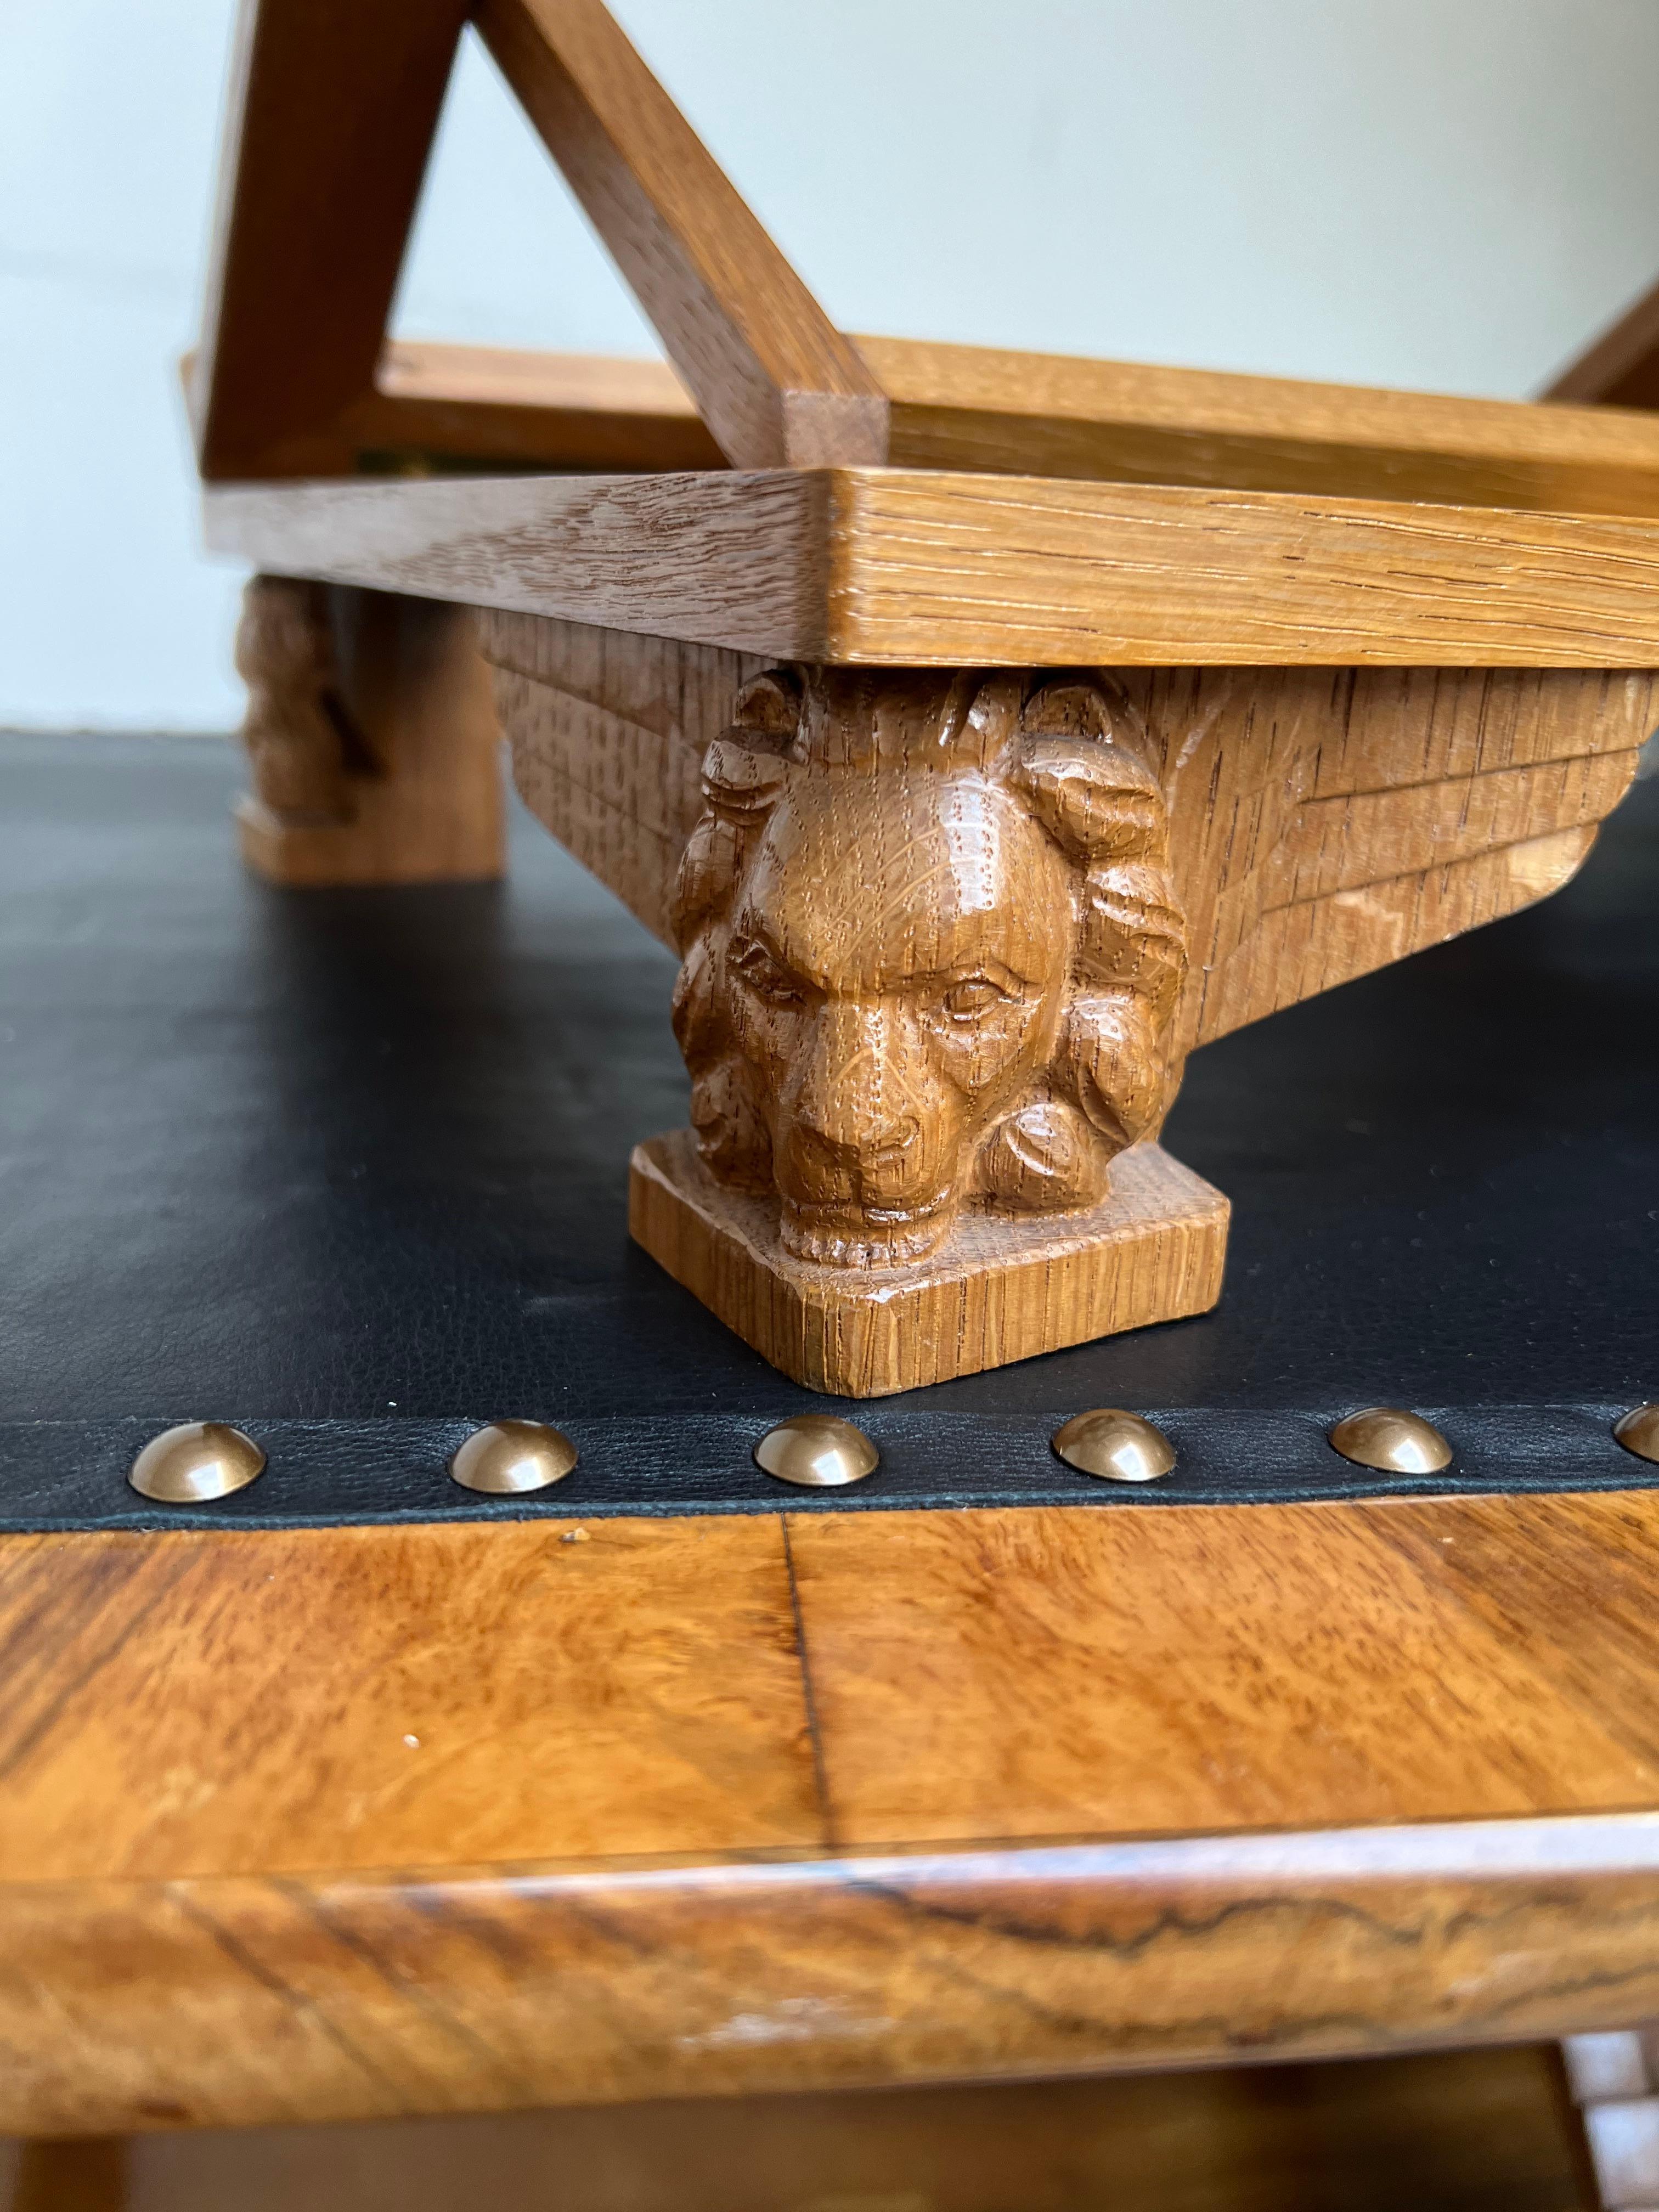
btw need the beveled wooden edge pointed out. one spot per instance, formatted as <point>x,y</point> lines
<point>905,567</point>
<point>243,2000</point>
<point>917,373</point>
<point>776,382</point>
<point>722,557</point>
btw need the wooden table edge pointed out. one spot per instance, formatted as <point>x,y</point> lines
<point>247,2000</point>
<point>886,567</point>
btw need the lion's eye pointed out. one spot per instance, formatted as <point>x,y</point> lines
<point>766,976</point>
<point>974,996</point>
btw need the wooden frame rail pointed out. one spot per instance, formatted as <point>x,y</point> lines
<point>333,114</point>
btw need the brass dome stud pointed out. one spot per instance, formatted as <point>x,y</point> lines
<point>195,1463</point>
<point>818,1450</point>
<point>506,1458</point>
<point>1639,1431</point>
<point>1116,1446</point>
<point>1392,1440</point>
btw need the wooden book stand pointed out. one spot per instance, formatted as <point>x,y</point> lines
<point>986,732</point>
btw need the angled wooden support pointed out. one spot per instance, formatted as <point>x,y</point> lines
<point>331,116</point>
<point>975,409</point>
<point>775,382</point>
<point>1619,367</point>
<point>333,112</point>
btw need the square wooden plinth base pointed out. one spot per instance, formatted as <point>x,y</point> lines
<point>1001,1288</point>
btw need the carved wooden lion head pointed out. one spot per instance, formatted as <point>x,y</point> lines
<point>930,951</point>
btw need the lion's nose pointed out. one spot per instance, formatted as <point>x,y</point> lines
<point>858,1139</point>
<point>852,1111</point>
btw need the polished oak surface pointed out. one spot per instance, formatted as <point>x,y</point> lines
<point>905,567</point>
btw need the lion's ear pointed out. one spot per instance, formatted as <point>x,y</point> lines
<point>744,771</point>
<point>744,774</point>
<point>1086,779</point>
<point>769,705</point>
<point>1133,935</point>
<point>739,780</point>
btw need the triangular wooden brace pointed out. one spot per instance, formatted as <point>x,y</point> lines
<point>333,110</point>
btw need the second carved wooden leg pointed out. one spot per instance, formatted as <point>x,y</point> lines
<point>933,951</point>
<point>371,738</point>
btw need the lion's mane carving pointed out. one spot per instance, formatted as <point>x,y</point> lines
<point>930,951</point>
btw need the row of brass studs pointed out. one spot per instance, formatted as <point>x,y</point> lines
<point>203,1460</point>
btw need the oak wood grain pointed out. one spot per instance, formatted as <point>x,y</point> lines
<point>729,558</point>
<point>1321,824</point>
<point>980,409</point>
<point>776,383</point>
<point>607,735</point>
<point>419,793</point>
<point>911,567</point>
<point>478,406</point>
<point>1001,1288</point>
<point>955,568</point>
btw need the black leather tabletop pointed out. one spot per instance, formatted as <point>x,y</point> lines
<point>349,1169</point>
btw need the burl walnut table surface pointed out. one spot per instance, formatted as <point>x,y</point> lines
<point>357,1795</point>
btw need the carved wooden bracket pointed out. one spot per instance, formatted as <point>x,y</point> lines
<point>949,935</point>
<point>932,952</point>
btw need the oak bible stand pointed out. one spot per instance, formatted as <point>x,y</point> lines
<point>986,732</point>
<point>354,1796</point>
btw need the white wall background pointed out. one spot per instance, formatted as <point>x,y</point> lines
<point>1448,193</point>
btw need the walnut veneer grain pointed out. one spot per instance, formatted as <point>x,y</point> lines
<point>642,1846</point>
